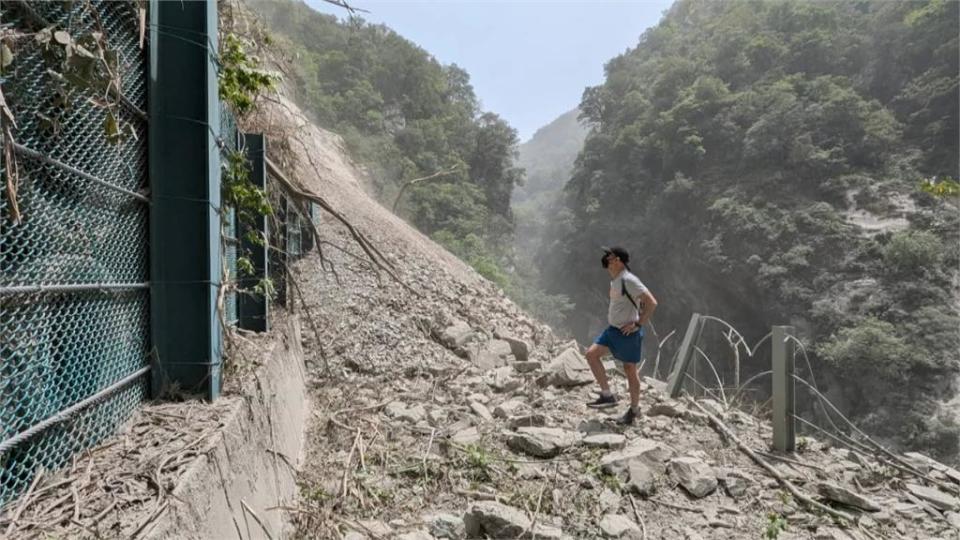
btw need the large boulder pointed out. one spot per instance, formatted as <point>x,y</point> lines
<point>446,526</point>
<point>456,335</point>
<point>642,479</point>
<point>567,369</point>
<point>541,441</point>
<point>521,349</point>
<point>619,526</point>
<point>498,520</point>
<point>694,475</point>
<point>842,495</point>
<point>490,354</point>
<point>653,453</point>
<point>940,500</point>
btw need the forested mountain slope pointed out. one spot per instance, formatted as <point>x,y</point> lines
<point>763,160</point>
<point>548,156</point>
<point>405,116</point>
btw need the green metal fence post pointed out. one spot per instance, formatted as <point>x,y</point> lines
<point>185,262</point>
<point>677,375</point>
<point>784,404</point>
<point>254,308</point>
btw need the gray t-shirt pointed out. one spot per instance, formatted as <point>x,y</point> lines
<point>621,310</point>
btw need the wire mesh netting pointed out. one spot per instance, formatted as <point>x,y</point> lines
<point>74,304</point>
<point>229,242</point>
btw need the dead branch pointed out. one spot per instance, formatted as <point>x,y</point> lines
<point>409,183</point>
<point>256,518</point>
<point>346,6</point>
<point>796,493</point>
<point>381,261</point>
<point>636,512</point>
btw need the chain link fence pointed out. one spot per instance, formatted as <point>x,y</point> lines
<point>74,297</point>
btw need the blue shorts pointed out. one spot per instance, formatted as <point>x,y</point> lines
<point>623,348</point>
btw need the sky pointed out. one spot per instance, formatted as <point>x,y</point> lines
<point>529,60</point>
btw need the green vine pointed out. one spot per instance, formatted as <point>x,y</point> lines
<point>943,188</point>
<point>240,78</point>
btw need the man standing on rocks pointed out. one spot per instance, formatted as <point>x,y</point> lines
<point>631,306</point>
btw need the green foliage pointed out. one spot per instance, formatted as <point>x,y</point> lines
<point>776,524</point>
<point>943,188</point>
<point>239,79</point>
<point>736,150</point>
<point>406,116</point>
<point>910,251</point>
<point>871,346</point>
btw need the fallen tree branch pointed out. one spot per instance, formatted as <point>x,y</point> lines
<point>636,512</point>
<point>371,251</point>
<point>409,183</point>
<point>796,493</point>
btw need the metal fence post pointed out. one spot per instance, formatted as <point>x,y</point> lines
<point>675,382</point>
<point>784,405</point>
<point>185,259</point>
<point>253,307</point>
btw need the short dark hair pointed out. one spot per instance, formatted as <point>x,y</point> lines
<point>621,254</point>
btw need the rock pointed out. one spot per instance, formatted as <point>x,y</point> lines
<point>519,348</point>
<point>507,408</point>
<point>690,534</point>
<point>528,420</point>
<point>694,475</point>
<point>735,483</point>
<point>394,409</point>
<point>481,410</point>
<point>567,369</point>
<point>842,495</point>
<point>656,385</point>
<point>489,355</point>
<point>413,414</point>
<point>376,528</point>
<point>498,520</point>
<point>619,526</point>
<point>541,441</point>
<point>502,380</point>
<point>526,366</point>
<point>437,417</point>
<point>667,408</point>
<point>466,437</point>
<point>456,335</point>
<point>592,426</point>
<point>642,480</point>
<point>937,498</point>
<point>926,463</point>
<point>415,535</point>
<point>613,441</point>
<point>354,535</point>
<point>653,453</point>
<point>953,519</point>
<point>608,500</point>
<point>447,526</point>
<point>712,407</point>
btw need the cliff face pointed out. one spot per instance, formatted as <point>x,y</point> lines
<point>441,410</point>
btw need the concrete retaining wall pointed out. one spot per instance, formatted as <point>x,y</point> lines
<point>250,467</point>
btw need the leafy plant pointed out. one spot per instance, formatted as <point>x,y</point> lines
<point>240,79</point>
<point>776,524</point>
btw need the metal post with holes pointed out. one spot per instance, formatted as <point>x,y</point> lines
<point>184,155</point>
<point>784,404</point>
<point>677,375</point>
<point>253,307</point>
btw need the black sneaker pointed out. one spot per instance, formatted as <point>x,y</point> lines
<point>627,418</point>
<point>603,402</point>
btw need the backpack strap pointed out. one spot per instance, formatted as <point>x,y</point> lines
<point>623,291</point>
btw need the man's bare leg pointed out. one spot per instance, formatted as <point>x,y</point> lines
<point>594,354</point>
<point>633,384</point>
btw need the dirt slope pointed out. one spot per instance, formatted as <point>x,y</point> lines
<point>447,412</point>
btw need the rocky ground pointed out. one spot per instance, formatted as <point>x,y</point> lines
<point>446,412</point>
